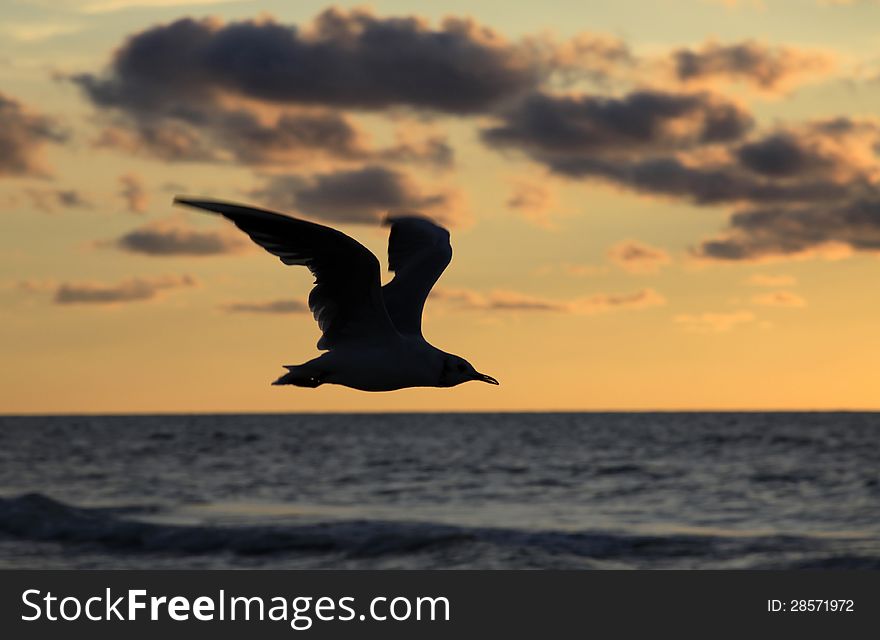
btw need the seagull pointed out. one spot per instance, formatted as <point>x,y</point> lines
<point>371,334</point>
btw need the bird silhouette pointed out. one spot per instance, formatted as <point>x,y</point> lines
<point>371,334</point>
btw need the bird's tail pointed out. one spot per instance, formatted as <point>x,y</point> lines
<point>301,376</point>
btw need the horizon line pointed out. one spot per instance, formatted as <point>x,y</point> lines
<point>112,414</point>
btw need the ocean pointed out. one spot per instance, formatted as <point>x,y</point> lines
<point>444,491</point>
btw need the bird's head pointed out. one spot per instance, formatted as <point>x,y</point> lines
<point>457,370</point>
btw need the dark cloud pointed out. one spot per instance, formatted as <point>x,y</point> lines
<point>795,189</point>
<point>642,142</point>
<point>690,146</point>
<point>841,149</point>
<point>348,59</point>
<point>434,150</point>
<point>175,239</point>
<point>265,94</point>
<point>260,92</point>
<point>768,68</point>
<point>253,142</point>
<point>715,183</point>
<point>783,155</point>
<point>826,175</point>
<point>271,307</point>
<point>159,138</point>
<point>203,90</point>
<point>130,290</point>
<point>217,133</point>
<point>560,129</point>
<point>791,232</point>
<point>22,136</point>
<point>362,195</point>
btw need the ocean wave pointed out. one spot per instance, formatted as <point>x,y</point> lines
<point>36,517</point>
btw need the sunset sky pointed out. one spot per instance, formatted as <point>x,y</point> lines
<point>668,204</point>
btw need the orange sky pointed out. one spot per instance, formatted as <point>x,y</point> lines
<point>652,207</point>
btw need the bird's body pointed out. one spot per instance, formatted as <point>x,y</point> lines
<point>372,335</point>
<point>387,367</point>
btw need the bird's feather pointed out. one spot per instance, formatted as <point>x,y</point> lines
<point>347,298</point>
<point>418,253</point>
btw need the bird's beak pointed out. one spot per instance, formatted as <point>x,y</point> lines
<point>482,377</point>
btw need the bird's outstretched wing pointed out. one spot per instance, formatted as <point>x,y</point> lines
<point>418,252</point>
<point>347,298</point>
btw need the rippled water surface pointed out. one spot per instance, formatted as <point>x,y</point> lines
<point>671,490</point>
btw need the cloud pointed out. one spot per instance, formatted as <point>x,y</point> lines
<point>534,200</point>
<point>771,69</point>
<point>346,59</point>
<point>715,183</point>
<point>361,196</point>
<point>561,130</point>
<point>172,238</point>
<point>285,306</point>
<point>767,280</point>
<point>502,300</point>
<point>695,144</point>
<point>130,290</point>
<point>200,90</point>
<point>498,300</point>
<point>51,200</point>
<point>595,57</point>
<point>249,135</point>
<point>601,302</point>
<point>796,191</point>
<point>23,135</point>
<point>266,94</point>
<point>163,139</point>
<point>637,257</point>
<point>772,233</point>
<point>841,149</point>
<point>714,322</point>
<point>134,193</point>
<point>828,161</point>
<point>779,299</point>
